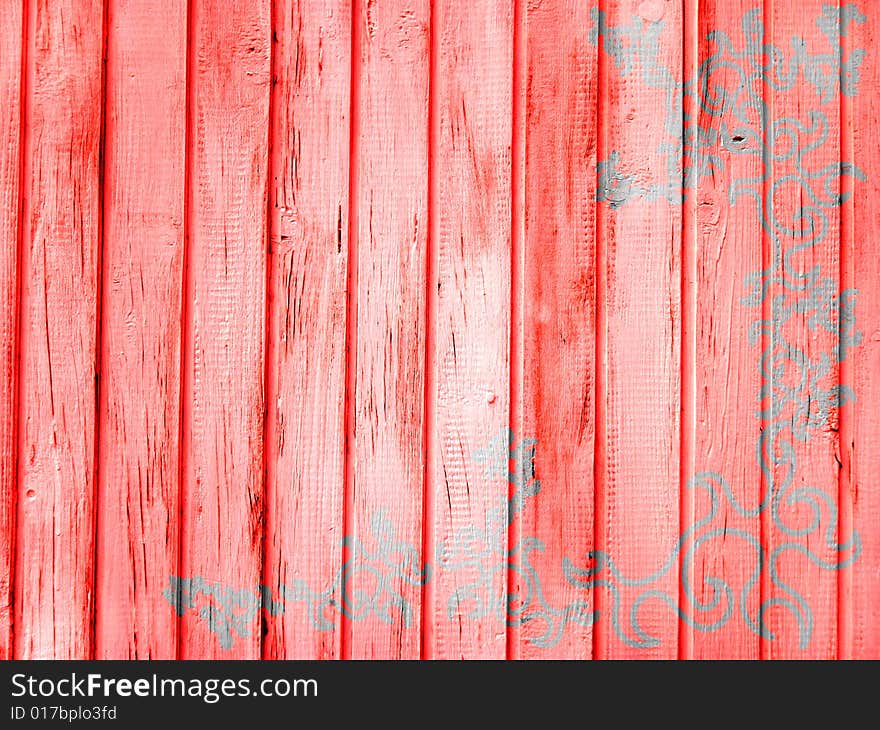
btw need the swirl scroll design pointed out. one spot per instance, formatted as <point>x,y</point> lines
<point>799,392</point>
<point>390,563</point>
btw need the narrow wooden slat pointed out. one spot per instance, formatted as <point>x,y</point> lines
<point>860,450</point>
<point>516,582</point>
<point>471,179</point>
<point>728,376</point>
<point>391,228</point>
<point>641,241</point>
<point>689,296</point>
<point>765,338</point>
<point>801,610</point>
<point>59,310</point>
<point>222,450</point>
<point>306,341</point>
<point>141,309</point>
<point>558,313</point>
<point>846,438</point>
<point>11,21</point>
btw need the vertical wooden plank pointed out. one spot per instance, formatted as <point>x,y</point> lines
<point>640,228</point>
<point>222,477</point>
<point>846,438</point>
<point>767,265</point>
<point>305,368</point>
<point>687,359</point>
<point>59,311</point>
<point>859,448</point>
<point>687,363</point>
<point>140,395</point>
<point>391,226</point>
<point>471,174</point>
<point>558,315</point>
<point>11,20</point>
<point>517,580</point>
<point>723,148</point>
<point>801,390</point>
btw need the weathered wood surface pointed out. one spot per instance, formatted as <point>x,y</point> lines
<point>639,334</point>
<point>361,329</point>
<point>470,393</point>
<point>728,244</point>
<point>222,508</point>
<point>11,127</point>
<point>389,243</point>
<point>860,467</point>
<point>306,342</point>
<point>557,298</point>
<point>58,325</point>
<point>138,466</point>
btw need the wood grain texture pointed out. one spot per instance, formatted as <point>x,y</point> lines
<point>728,240</point>
<point>305,370</point>
<point>471,199</point>
<point>11,21</point>
<point>390,225</point>
<point>859,449</point>
<point>140,396</point>
<point>222,449</point>
<point>300,298</point>
<point>59,330</point>
<point>816,457</point>
<point>638,463</point>
<point>558,302</point>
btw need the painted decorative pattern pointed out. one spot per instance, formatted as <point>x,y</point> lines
<point>799,393</point>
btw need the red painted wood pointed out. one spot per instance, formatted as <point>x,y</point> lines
<point>558,304</point>
<point>59,329</point>
<point>728,241</point>
<point>471,201</point>
<point>859,448</point>
<point>639,357</point>
<point>816,458</point>
<point>11,21</point>
<point>222,430</point>
<point>141,315</point>
<point>309,208</point>
<point>846,440</point>
<point>387,321</point>
<point>298,296</point>
<point>690,66</point>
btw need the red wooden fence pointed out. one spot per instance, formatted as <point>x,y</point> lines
<point>421,328</point>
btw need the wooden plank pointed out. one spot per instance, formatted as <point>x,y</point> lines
<point>639,328</point>
<point>11,20</point>
<point>688,355</point>
<point>558,316</point>
<point>141,309</point>
<point>390,225</point>
<point>59,322</point>
<point>466,601</point>
<point>861,465</point>
<point>723,148</point>
<point>222,454</point>
<point>801,422</point>
<point>305,368</point>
